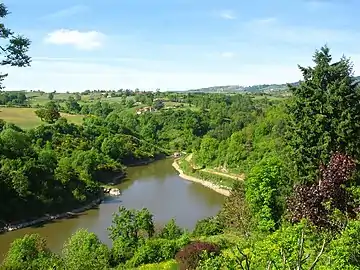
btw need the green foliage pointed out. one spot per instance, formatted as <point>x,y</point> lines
<point>344,251</point>
<point>85,251</point>
<point>13,99</point>
<point>208,226</point>
<point>261,186</point>
<point>171,231</point>
<point>221,181</point>
<point>30,252</point>
<point>122,250</point>
<point>168,265</point>
<point>53,168</point>
<point>158,104</point>
<point>190,256</point>
<point>209,262</point>
<point>14,47</point>
<point>208,151</point>
<point>157,250</point>
<point>129,224</point>
<point>72,106</point>
<point>49,114</point>
<point>294,247</point>
<point>235,214</point>
<point>324,114</point>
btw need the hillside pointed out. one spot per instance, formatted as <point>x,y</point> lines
<point>259,88</point>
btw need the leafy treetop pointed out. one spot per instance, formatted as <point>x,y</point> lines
<point>324,115</point>
<point>14,51</point>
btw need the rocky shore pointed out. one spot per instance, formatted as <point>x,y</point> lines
<point>47,218</point>
<point>112,191</point>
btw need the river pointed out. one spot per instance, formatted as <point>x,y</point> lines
<point>156,186</point>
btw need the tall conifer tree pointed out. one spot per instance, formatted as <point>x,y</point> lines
<point>324,115</point>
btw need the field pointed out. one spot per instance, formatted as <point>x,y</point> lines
<point>26,117</point>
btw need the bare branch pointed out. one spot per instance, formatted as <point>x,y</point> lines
<point>319,255</point>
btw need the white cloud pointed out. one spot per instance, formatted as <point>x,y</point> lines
<point>67,12</point>
<point>87,40</point>
<point>227,15</point>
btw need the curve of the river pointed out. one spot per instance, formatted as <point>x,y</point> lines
<point>156,186</point>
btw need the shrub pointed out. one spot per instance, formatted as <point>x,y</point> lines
<point>122,251</point>
<point>157,250</point>
<point>190,255</point>
<point>208,227</point>
<point>235,214</point>
<point>171,231</point>
<point>318,202</point>
<point>84,250</point>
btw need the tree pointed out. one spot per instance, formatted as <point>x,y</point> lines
<point>14,52</point>
<point>261,187</point>
<point>50,113</point>
<point>30,252</point>
<point>128,224</point>
<point>158,104</point>
<point>324,115</point>
<point>72,105</point>
<point>171,231</point>
<point>51,96</point>
<point>318,202</point>
<point>345,251</point>
<point>208,151</point>
<point>85,251</point>
<point>77,97</point>
<point>235,213</point>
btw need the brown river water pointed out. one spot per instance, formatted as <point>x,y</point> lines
<point>156,186</point>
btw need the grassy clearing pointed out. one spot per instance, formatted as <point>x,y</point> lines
<point>215,179</point>
<point>26,117</point>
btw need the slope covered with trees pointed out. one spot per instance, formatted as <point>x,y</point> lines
<point>297,208</point>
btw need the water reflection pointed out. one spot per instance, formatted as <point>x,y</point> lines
<point>155,186</point>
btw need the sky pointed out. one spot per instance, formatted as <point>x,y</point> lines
<point>176,44</point>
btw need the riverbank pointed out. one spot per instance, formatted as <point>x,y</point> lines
<point>216,188</point>
<point>47,218</point>
<point>107,189</point>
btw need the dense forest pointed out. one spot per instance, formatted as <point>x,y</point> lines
<point>296,208</point>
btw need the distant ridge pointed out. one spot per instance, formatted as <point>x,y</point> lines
<point>258,88</point>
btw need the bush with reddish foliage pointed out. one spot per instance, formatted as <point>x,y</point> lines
<point>189,257</point>
<point>317,201</point>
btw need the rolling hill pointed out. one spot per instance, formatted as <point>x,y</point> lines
<point>259,88</point>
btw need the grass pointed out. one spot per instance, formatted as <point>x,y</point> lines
<point>26,117</point>
<point>168,265</point>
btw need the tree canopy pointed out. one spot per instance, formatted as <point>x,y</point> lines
<point>14,47</point>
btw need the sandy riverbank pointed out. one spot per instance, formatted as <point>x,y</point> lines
<point>207,184</point>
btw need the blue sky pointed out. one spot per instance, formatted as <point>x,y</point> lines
<point>176,44</point>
